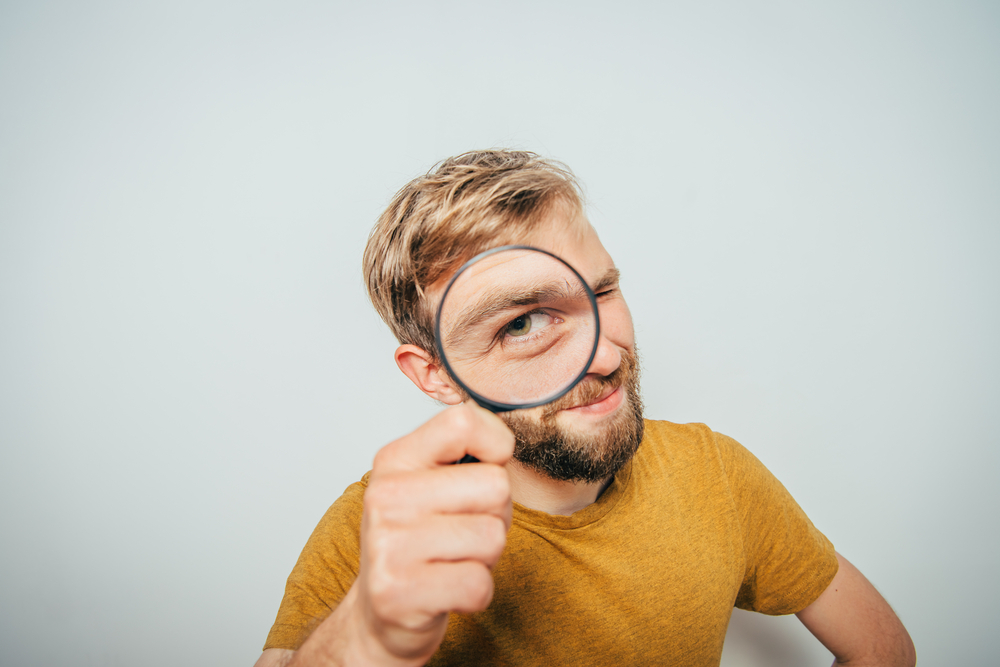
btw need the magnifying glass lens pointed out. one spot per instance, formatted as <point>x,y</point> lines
<point>517,327</point>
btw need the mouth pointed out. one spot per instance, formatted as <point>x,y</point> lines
<point>607,402</point>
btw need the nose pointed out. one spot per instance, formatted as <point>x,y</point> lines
<point>607,359</point>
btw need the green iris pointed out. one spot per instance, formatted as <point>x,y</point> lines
<point>519,326</point>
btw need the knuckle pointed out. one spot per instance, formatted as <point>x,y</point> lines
<point>381,546</point>
<point>389,490</point>
<point>380,555</point>
<point>460,421</point>
<point>381,590</point>
<point>397,452</point>
<point>384,502</point>
<point>384,456</point>
<point>377,494</point>
<point>386,587</point>
<point>384,600</point>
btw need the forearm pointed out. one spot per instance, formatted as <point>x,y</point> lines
<point>895,659</point>
<point>891,649</point>
<point>900,656</point>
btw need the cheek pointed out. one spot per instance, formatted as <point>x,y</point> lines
<point>616,323</point>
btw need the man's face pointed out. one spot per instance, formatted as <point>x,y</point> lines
<point>588,434</point>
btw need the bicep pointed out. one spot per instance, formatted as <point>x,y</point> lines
<point>855,622</point>
<point>274,657</point>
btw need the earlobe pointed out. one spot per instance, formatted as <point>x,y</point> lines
<point>425,372</point>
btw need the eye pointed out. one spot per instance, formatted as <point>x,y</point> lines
<point>525,324</point>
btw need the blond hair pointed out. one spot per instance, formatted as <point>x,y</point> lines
<point>462,206</point>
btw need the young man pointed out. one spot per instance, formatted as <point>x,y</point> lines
<point>585,535</point>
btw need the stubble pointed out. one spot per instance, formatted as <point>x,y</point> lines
<point>567,454</point>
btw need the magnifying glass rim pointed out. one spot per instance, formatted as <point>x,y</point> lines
<point>497,406</point>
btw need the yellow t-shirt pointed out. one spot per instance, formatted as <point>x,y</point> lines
<point>648,574</point>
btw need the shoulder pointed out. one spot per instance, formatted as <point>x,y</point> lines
<point>666,442</point>
<point>694,440</point>
<point>694,453</point>
<point>675,438</point>
<point>336,538</point>
<point>345,512</point>
<point>687,458</point>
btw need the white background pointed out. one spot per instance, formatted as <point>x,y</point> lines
<point>804,200</point>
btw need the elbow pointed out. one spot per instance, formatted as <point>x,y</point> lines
<point>910,652</point>
<point>893,651</point>
<point>904,653</point>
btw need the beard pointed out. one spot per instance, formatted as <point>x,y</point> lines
<point>569,455</point>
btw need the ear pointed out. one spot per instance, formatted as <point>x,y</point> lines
<point>429,376</point>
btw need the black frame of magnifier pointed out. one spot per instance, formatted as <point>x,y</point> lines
<point>495,406</point>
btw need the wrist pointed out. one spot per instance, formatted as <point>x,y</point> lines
<point>365,645</point>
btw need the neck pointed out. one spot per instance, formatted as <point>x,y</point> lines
<point>539,492</point>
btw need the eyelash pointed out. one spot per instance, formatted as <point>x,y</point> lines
<point>501,336</point>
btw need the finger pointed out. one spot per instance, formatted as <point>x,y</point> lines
<point>464,586</point>
<point>446,438</point>
<point>403,498</point>
<point>435,588</point>
<point>478,537</point>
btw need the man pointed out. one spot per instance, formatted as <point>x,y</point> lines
<point>584,535</point>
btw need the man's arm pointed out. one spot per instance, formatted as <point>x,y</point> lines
<point>856,624</point>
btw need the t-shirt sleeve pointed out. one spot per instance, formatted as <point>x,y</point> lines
<point>789,563</point>
<point>324,573</point>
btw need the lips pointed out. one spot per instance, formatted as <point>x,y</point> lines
<point>604,395</point>
<point>608,400</point>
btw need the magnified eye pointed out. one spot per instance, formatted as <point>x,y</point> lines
<point>521,326</point>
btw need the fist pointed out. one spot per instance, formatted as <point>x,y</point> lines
<point>432,531</point>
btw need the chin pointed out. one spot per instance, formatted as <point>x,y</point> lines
<point>580,447</point>
<point>587,435</point>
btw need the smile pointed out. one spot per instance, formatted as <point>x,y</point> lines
<point>607,402</point>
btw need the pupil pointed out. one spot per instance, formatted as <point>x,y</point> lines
<point>519,326</point>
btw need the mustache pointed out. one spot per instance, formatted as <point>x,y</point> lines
<point>590,389</point>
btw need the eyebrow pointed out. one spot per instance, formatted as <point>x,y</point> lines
<point>503,300</point>
<point>610,277</point>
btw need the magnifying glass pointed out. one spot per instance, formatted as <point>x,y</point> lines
<point>517,327</point>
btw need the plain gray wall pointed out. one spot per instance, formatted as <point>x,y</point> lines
<point>804,199</point>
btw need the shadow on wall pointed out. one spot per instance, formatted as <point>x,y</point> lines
<point>757,640</point>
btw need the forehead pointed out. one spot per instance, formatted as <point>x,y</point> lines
<point>572,238</point>
<point>567,234</point>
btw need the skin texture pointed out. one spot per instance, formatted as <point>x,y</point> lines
<point>431,532</point>
<point>856,624</point>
